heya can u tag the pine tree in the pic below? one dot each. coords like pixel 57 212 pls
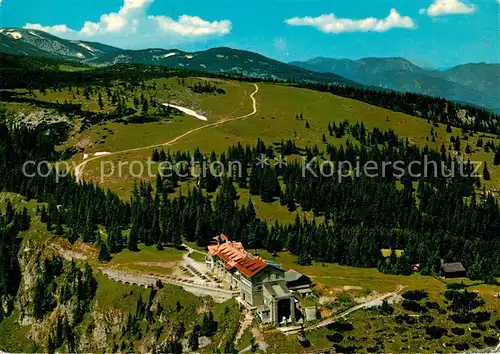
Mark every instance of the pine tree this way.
pixel 59 229
pixel 155 232
pixel 9 211
pixel 253 344
pixel 176 238
pixel 250 210
pixel 25 220
pixel 486 173
pixel 208 326
pixel 156 156
pixel 68 335
pixel 111 241
pixel 90 232
pixel 44 217
pixel 496 159
pixel 163 156
pixel 51 347
pixel 180 331
pixel 193 338
pixel 132 238
pixel 304 258
pixel 104 255
pixel 291 204
pixel 59 335
pixel 145 107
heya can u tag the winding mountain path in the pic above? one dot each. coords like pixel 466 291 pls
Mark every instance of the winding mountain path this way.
pixel 330 320
pixel 79 168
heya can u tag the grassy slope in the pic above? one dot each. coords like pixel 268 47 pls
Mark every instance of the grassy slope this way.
pixel 147 260
pixel 167 90
pixel 333 277
pixel 13 336
pixel 336 280
pixel 275 120
pixel 369 327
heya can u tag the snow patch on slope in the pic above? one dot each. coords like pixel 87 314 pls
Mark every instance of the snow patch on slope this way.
pixel 189 56
pixel 169 54
pixel 83 45
pixel 186 110
pixel 101 153
pixel 35 34
pixel 80 55
pixel 15 35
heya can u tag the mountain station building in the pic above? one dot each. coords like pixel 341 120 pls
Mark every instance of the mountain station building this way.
pixel 262 285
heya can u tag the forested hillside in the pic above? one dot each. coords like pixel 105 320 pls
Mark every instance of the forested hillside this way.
pixel 362 215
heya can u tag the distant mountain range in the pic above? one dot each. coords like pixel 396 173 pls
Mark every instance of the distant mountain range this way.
pixel 472 83
pixel 38 43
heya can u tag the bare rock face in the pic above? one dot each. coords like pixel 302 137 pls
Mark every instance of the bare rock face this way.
pixel 106 323
pixel 203 342
pixel 29 257
pixel 35 118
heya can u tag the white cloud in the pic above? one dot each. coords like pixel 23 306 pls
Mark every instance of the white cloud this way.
pixel 448 7
pixel 132 25
pixel 125 20
pixel 191 26
pixel 56 30
pixel 329 23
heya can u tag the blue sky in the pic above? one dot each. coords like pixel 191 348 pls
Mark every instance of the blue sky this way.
pixel 431 33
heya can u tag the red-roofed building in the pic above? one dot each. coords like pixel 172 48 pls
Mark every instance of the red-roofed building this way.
pixel 261 284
